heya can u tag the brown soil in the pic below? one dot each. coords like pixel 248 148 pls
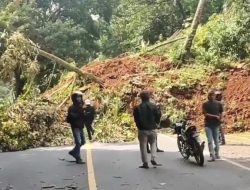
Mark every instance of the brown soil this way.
pixel 237 99
pixel 116 71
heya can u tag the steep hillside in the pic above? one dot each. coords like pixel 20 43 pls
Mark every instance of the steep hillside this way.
pixel 180 91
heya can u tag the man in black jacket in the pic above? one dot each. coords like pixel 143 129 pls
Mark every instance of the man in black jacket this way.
pixel 75 118
pixel 147 116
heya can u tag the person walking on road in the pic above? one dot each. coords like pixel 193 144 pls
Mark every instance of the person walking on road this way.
pixel 212 111
pixel 75 118
pixel 89 116
pixel 147 116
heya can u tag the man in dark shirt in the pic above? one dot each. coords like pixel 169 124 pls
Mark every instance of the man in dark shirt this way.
pixel 212 111
pixel 147 116
pixel 75 118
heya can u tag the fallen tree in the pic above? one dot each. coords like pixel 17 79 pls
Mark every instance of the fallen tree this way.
pixel 19 61
pixel 69 66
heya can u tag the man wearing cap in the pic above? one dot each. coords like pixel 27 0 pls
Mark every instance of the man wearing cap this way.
pixel 147 116
pixel 212 111
pixel 89 116
pixel 75 118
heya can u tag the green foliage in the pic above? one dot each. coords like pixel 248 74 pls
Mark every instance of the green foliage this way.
pixel 192 75
pixel 175 115
pixel 149 67
pixel 114 125
pixel 19 55
pixel 108 43
pixel 19 62
pixel 225 35
pixel 140 20
pixel 180 82
pixel 57 26
pixel 184 78
pixel 29 124
pixel 15 135
pixel 163 82
pixel 5 92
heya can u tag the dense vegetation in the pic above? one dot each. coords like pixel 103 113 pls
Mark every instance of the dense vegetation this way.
pixel 81 31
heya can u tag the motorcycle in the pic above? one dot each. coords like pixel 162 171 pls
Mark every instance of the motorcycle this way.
pixel 188 141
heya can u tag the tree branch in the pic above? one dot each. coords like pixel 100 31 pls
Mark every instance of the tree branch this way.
pixel 164 43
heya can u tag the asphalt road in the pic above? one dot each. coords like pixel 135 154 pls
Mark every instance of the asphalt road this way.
pixel 115 167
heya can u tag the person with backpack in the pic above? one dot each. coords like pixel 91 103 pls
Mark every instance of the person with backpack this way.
pixel 89 116
pixel 75 118
pixel 147 117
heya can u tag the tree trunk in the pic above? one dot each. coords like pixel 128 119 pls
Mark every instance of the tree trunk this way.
pixel 19 82
pixel 163 44
pixel 69 67
pixel 179 4
pixel 194 26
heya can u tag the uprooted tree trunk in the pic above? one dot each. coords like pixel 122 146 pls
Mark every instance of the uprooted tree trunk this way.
pixel 68 66
pixel 194 26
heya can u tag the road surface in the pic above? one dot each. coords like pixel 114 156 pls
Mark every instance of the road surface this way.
pixel 115 167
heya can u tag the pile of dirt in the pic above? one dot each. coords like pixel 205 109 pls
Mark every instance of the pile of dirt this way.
pixel 115 72
pixel 237 100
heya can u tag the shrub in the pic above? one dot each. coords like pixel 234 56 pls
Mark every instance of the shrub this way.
pixel 15 135
pixel 225 35
pixel 114 125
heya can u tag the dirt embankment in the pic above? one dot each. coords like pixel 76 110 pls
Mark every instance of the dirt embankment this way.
pixel 237 100
pixel 116 72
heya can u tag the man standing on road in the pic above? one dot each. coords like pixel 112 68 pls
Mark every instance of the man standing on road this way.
pixel 147 116
pixel 212 111
pixel 75 118
pixel 89 116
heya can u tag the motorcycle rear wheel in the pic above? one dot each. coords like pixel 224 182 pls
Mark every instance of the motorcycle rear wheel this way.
pixel 198 155
pixel 182 148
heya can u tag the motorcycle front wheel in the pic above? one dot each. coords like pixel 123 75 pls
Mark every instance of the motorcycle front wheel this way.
pixel 198 154
pixel 182 148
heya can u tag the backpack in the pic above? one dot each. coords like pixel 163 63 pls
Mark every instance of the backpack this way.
pixel 89 113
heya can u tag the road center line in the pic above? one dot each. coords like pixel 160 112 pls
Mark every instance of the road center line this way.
pixel 90 168
pixel 224 159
